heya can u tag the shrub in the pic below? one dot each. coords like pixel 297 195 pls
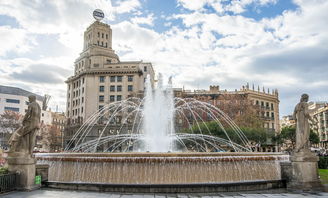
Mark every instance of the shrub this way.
pixel 3 170
pixel 323 162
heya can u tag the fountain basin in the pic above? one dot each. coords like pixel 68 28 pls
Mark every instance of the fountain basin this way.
pixel 162 168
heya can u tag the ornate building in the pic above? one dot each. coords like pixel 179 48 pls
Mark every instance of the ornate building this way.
pixel 320 124
pixel 100 77
pixel 239 102
pixel 242 103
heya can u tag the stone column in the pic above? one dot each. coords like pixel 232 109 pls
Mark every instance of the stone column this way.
pixel 304 167
pixel 24 165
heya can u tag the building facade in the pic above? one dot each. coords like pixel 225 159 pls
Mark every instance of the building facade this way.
pixel 320 125
pixel 243 103
pixel 234 103
pixel 16 99
pixel 100 78
pixel 287 121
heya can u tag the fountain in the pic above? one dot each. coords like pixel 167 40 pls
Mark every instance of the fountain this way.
pixel 144 153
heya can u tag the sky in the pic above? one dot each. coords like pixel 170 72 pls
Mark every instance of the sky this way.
pixel 278 44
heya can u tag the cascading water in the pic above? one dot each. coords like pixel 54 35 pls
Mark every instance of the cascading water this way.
pixel 158 117
pixel 150 124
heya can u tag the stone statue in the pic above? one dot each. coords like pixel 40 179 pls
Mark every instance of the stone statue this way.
pixel 302 117
pixel 23 139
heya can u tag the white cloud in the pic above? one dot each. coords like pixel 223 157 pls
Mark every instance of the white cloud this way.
pixel 228 50
pixel 235 6
pixel 14 40
pixel 148 20
pixel 127 6
pixel 192 4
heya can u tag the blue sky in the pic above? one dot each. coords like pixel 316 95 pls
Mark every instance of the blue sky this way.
pixel 279 44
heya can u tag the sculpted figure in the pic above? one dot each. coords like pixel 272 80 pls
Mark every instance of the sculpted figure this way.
pixel 302 117
pixel 23 139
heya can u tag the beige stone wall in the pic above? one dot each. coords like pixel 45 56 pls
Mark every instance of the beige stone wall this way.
pixel 90 87
pixel 320 125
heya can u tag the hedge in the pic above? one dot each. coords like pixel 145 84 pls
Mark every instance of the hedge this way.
pixel 323 162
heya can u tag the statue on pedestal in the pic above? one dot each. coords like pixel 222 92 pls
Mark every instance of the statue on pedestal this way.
pixel 302 117
pixel 23 139
pixel 303 171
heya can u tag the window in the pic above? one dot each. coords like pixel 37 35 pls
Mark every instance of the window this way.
pixel 111 98
pixel 101 88
pixel 102 35
pixel 130 87
pixel 145 68
pixel 26 102
pixel 82 99
pixel 118 98
pixel 130 78
pixel 101 78
pixel 81 109
pixel 102 43
pixel 109 61
pixel 112 79
pixel 11 109
pixel 272 114
pixel 98 43
pixel 106 44
pixel 272 106
pixel 106 36
pixel 112 88
pixel 119 88
pixel 262 104
pixel 98 34
pixel 267 114
pixel 12 101
pixel 101 98
pixel 257 102
pixel 119 78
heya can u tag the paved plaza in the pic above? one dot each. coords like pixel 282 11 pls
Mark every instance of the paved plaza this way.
pixel 50 193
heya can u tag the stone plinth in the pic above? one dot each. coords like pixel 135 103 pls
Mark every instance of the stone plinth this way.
pixel 304 171
pixel 24 165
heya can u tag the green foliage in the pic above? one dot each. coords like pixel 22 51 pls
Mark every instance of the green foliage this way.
pixel 314 138
pixel 257 135
pixel 3 170
pixel 289 134
pixel 323 175
pixel 323 163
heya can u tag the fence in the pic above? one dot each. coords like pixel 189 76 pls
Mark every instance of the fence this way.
pixel 8 182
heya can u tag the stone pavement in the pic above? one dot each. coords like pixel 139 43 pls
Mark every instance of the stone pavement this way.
pixel 50 193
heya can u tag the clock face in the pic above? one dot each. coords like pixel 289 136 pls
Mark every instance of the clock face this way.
pixel 98 14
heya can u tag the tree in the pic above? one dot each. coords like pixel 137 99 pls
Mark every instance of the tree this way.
pixel 255 135
pixel 288 136
pixel 9 122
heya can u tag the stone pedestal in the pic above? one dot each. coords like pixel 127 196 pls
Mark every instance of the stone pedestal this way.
pixel 24 165
pixel 304 171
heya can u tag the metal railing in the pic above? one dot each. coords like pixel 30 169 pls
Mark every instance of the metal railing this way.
pixel 8 182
